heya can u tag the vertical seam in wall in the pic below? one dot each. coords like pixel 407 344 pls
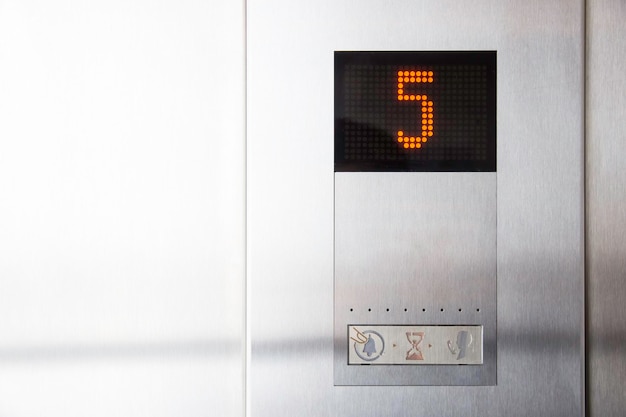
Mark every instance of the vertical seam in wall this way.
pixel 585 341
pixel 246 290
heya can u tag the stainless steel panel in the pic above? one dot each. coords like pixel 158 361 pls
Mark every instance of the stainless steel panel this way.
pixel 606 207
pixel 415 248
pixel 290 201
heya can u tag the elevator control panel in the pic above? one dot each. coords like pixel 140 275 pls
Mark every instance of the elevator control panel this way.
pixel 415 218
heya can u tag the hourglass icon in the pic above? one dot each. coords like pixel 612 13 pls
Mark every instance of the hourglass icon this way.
pixel 415 353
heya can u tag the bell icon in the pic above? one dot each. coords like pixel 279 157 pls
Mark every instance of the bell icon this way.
pixel 370 346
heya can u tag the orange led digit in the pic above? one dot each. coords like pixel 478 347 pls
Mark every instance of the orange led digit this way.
pixel 385 105
pixel 427 107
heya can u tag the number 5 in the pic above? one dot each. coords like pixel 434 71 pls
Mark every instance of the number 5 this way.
pixel 405 77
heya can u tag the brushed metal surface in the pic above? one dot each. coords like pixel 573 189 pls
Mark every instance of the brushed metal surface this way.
pixel 290 201
pixel 606 207
pixel 415 248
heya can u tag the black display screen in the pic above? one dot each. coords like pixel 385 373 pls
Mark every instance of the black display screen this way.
pixel 415 111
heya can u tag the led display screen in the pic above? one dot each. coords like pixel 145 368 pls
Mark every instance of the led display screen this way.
pixel 415 111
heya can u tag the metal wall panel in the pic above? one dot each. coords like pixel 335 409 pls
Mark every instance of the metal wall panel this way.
pixel 426 241
pixel 122 208
pixel 606 207
pixel 539 192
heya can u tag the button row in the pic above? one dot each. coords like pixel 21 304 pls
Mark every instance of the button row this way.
pixel 415 345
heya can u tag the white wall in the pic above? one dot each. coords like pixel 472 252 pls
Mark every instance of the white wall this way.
pixel 122 197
